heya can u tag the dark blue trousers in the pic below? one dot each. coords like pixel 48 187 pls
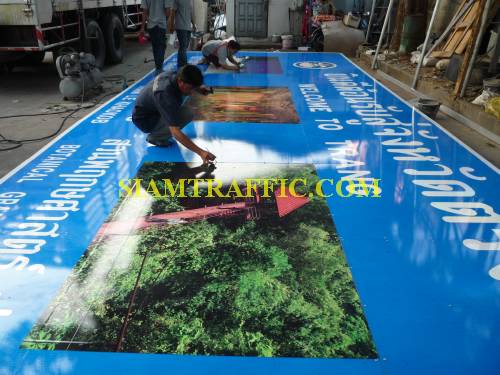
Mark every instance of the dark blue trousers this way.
pixel 158 41
pixel 184 37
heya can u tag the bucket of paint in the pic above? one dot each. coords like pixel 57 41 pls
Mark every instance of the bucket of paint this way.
pixel 430 107
pixel 195 42
pixel 142 39
pixel 287 41
pixel 276 38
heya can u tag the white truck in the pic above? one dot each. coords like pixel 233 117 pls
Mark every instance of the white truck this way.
pixel 29 28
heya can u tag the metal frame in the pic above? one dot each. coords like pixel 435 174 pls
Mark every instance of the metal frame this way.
pixel 370 22
pixel 59 26
pixel 382 33
pixel 40 38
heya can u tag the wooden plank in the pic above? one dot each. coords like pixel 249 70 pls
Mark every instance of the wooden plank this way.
pixel 463 44
pixel 456 34
pixel 456 18
pixel 454 42
pixel 398 29
pixel 456 39
pixel 467 34
pixel 442 54
pixel 463 40
pixel 461 6
pixel 465 24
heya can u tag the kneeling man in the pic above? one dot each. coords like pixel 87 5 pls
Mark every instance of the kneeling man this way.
pixel 159 109
pixel 217 51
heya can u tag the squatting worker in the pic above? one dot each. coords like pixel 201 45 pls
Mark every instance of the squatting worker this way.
pixel 217 51
pixel 159 109
pixel 155 12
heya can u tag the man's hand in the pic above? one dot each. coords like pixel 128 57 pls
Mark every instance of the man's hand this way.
pixel 177 133
pixel 204 90
pixel 194 28
pixel 234 67
pixel 207 156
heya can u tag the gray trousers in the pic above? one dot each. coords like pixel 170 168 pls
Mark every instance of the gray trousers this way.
pixel 161 131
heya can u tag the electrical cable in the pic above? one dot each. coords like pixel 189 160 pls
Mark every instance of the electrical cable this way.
pixel 4 140
pixel 54 133
pixel 38 114
pixel 18 143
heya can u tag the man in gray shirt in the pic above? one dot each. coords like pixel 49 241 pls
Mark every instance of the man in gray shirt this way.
pixel 159 110
pixel 182 19
pixel 155 12
pixel 218 51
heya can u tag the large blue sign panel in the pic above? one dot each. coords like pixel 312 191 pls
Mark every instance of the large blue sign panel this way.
pixel 402 280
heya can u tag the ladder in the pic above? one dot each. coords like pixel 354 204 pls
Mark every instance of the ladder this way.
pixel 128 18
pixel 377 16
pixel 387 18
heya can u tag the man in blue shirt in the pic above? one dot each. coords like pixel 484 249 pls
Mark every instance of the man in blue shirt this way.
pixel 159 109
pixel 155 13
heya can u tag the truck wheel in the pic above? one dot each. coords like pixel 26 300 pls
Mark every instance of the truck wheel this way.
pixel 114 36
pixel 95 43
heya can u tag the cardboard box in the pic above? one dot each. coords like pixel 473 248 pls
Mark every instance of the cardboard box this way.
pixel 351 20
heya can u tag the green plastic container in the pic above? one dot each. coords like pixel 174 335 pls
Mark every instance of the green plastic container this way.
pixel 413 33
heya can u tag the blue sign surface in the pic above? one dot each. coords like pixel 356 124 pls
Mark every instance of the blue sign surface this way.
pixel 425 256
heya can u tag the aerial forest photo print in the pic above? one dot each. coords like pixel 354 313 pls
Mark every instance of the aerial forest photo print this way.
pixel 245 104
pixel 252 272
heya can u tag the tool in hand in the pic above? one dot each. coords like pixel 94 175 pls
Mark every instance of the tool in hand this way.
pixel 206 90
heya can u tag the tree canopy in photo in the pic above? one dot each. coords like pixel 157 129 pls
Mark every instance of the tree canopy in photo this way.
pixel 272 287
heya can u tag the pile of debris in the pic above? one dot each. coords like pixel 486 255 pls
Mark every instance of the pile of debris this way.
pixel 452 52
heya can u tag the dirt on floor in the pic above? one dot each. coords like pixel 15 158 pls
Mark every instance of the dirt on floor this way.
pixel 427 74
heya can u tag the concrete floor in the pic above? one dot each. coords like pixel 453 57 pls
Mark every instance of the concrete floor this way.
pixel 35 89
pixel 29 90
